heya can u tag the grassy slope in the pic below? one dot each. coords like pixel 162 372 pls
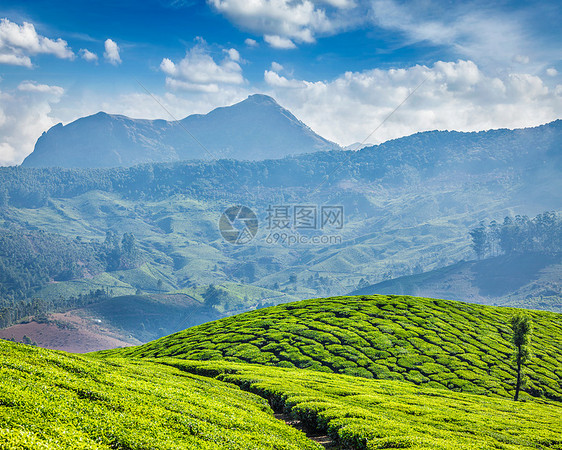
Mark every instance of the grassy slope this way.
pixel 440 343
pixel 52 400
pixel 373 414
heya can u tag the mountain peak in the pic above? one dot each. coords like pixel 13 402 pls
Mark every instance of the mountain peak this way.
pixel 257 128
pixel 261 99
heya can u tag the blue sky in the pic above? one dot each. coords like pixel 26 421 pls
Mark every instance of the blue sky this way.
pixel 340 65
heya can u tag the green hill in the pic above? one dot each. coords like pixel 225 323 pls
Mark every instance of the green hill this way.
pixel 438 343
pixel 54 400
pixel 363 414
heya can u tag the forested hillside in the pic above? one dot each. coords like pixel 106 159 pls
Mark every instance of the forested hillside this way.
pixel 32 259
pixel 407 207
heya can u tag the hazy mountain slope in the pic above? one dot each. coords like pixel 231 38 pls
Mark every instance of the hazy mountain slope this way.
pixel 531 281
pixel 254 129
pixel 441 343
pixel 408 207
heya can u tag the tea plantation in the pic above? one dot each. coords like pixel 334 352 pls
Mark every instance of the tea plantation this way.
pixel 423 350
pixel 373 414
pixel 438 343
pixel 54 400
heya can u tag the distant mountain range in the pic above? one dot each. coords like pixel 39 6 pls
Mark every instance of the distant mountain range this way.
pixel 257 128
pixel 408 206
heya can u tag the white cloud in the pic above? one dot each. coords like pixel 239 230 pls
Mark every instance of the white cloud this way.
pixel 233 54
pixel 15 60
pixel 454 96
pixel 24 115
pixel 472 30
pixel 285 21
pixel 492 34
pixel 19 42
pixel 198 71
pixel 88 55
pixel 279 42
pixel 275 80
pixel 176 84
pixel 551 72
pixel 344 4
pixel 168 67
pixel 521 59
pixel 111 53
pixel 276 67
pixel 32 86
pixel 251 42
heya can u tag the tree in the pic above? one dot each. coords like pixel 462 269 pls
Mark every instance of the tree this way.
pixel 212 296
pixel 522 328
pixel 4 197
pixel 479 240
pixel 113 250
pixel 129 251
pixel 494 238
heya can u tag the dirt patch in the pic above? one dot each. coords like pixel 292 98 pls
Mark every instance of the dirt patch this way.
pixel 74 331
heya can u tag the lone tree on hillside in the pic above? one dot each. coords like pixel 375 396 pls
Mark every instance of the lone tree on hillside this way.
pixel 479 240
pixel 522 329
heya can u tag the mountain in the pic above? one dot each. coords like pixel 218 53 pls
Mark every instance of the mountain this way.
pixel 408 206
pixel 528 280
pixel 255 129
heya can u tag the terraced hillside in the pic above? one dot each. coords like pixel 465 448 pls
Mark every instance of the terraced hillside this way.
pixel 113 400
pixel 438 343
pixel 52 400
pixel 361 414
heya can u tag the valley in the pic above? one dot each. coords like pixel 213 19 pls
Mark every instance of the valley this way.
pixel 407 207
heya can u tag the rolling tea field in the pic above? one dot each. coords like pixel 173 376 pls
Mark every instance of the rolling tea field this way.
pixel 438 343
pixel 55 400
pixel 373 414
pixel 368 372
